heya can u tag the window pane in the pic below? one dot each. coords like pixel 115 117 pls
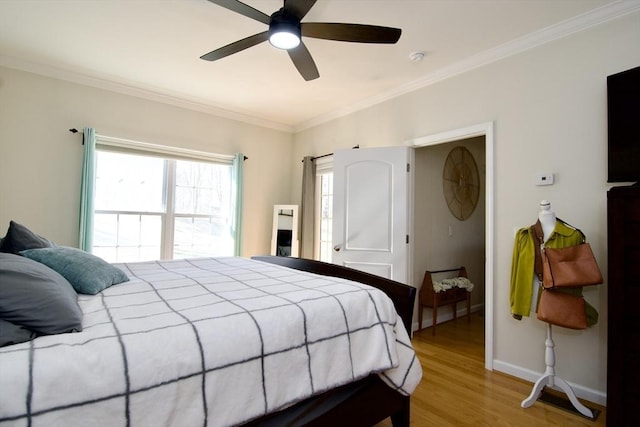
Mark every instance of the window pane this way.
pixel 184 199
pixel 105 228
pixel 326 217
pixel 208 202
pixel 128 253
pixel 126 237
pixel 201 236
pixel 129 230
pixel 126 182
pixel 150 230
pixel 149 253
pixel 202 188
pixel 109 254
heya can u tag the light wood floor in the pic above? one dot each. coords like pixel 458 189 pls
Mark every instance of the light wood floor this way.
pixel 456 390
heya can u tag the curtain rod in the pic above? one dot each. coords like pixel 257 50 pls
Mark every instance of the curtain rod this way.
pixel 324 155
pixel 74 130
pixel 330 154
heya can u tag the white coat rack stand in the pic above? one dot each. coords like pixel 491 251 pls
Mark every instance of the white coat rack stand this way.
pixel 549 378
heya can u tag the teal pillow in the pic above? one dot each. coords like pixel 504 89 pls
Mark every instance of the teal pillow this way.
pixel 87 273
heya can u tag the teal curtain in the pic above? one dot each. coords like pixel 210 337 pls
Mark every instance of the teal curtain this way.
pixel 236 227
pixel 87 185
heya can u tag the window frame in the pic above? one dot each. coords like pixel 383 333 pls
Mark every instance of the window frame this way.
pixel 170 155
pixel 324 166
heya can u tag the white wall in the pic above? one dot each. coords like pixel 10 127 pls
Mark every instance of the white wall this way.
pixel 549 109
pixel 40 160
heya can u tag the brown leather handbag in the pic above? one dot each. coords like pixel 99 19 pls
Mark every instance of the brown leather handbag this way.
pixel 562 309
pixel 570 266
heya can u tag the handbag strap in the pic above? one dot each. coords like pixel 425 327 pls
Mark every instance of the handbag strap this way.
pixel 538 234
pixel 584 238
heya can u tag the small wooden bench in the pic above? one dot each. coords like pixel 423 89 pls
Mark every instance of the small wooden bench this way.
pixel 430 298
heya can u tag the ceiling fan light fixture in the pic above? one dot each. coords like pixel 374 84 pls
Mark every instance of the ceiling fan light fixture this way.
pixel 284 33
pixel 284 40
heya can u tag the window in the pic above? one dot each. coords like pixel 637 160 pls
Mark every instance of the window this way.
pixel 324 209
pixel 149 207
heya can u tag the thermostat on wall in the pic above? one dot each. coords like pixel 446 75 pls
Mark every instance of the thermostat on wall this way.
pixel 544 178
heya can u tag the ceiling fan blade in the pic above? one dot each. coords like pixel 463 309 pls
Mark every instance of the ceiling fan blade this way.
pixel 236 46
pixel 304 62
pixel 243 9
pixel 299 8
pixel 350 32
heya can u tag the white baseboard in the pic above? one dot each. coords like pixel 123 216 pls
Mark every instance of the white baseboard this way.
pixel 582 392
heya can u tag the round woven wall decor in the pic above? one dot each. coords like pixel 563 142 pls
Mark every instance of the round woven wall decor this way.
pixel 461 183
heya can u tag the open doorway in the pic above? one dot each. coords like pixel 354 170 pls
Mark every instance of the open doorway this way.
pixel 428 243
pixel 450 227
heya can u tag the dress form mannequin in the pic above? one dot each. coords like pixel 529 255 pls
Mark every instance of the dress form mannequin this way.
pixel 548 221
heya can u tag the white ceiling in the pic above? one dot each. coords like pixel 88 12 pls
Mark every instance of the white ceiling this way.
pixel 152 48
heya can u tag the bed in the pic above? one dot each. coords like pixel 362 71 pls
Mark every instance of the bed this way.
pixel 268 341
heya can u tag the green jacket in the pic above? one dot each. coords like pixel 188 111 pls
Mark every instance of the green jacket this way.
pixel 522 268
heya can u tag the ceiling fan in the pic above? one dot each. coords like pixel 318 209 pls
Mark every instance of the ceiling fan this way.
pixel 285 31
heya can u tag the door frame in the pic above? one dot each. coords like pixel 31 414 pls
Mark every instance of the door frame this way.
pixel 487 130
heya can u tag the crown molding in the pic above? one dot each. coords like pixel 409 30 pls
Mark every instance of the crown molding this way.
pixel 557 31
pixel 139 91
pixel 579 23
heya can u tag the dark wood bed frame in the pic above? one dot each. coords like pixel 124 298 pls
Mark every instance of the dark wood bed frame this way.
pixel 365 402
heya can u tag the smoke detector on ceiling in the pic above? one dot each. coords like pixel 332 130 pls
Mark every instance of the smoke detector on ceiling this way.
pixel 416 56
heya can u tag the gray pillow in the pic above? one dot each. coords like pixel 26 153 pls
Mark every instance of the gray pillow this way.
pixel 19 238
pixel 87 273
pixel 36 297
pixel 14 334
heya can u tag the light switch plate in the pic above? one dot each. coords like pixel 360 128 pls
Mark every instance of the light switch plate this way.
pixel 544 178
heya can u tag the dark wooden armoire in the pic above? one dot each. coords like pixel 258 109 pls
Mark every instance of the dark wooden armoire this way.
pixel 623 284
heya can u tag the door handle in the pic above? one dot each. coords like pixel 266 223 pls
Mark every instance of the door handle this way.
pixel 336 248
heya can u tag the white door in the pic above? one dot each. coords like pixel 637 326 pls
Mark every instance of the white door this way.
pixel 371 210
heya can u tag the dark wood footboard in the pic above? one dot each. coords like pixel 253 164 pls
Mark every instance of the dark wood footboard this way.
pixel 360 404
